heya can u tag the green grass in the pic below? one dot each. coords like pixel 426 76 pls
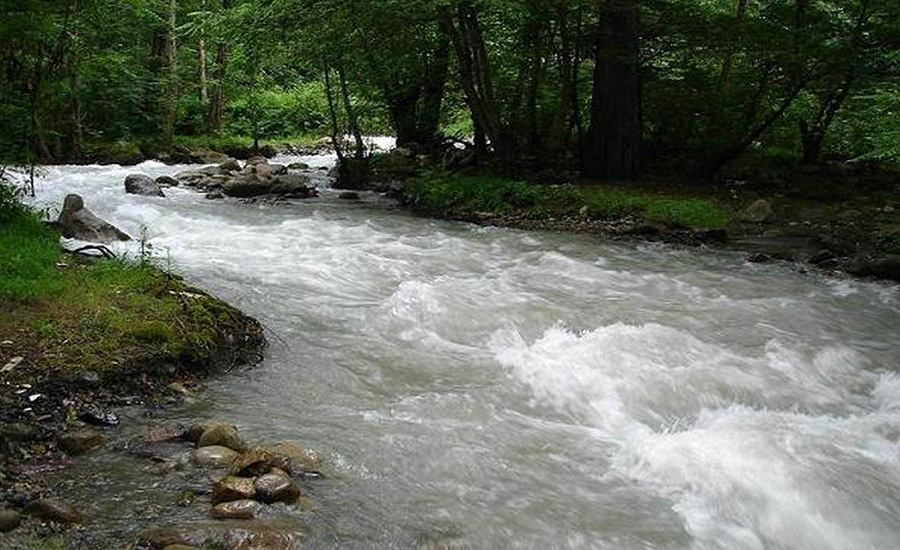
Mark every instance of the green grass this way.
pixel 78 315
pixel 29 253
pixel 443 194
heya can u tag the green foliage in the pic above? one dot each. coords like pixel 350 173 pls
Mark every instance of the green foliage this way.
pixel 445 194
pixel 302 109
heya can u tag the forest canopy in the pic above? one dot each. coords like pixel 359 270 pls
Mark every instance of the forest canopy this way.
pixel 608 87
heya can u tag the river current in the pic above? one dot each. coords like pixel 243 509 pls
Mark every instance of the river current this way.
pixel 503 389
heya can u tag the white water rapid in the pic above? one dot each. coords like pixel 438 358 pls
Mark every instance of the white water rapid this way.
pixel 502 389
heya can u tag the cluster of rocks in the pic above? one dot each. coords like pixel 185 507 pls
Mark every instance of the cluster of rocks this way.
pixel 249 478
pixel 257 178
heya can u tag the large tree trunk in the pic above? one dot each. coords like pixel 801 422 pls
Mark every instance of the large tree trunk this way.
pixel 614 141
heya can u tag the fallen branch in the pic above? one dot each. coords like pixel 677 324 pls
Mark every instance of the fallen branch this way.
pixel 104 251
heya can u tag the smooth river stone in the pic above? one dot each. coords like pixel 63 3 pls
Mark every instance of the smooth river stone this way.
pixel 276 487
pixel 232 488
pixel 224 436
pixel 215 456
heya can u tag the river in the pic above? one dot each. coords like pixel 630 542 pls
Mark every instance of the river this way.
pixel 507 389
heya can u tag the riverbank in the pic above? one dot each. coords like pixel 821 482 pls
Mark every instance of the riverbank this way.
pixel 80 338
pixel 840 219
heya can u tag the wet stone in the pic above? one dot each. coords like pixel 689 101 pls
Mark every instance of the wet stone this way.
pixel 276 487
pixel 237 509
pixel 81 442
pixel 224 436
pixel 232 488
pixel 51 510
pixel 9 520
pixel 214 456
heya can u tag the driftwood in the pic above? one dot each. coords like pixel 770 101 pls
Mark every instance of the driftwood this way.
pixel 104 251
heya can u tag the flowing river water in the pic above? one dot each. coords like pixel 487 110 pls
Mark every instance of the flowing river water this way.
pixel 509 389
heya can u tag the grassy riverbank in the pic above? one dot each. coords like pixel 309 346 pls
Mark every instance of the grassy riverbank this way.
pixel 76 331
pixel 840 218
pixel 490 196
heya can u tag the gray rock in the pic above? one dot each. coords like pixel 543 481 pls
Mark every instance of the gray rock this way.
pixel 237 509
pixel 81 442
pixel 230 165
pixel 247 186
pixel 51 510
pixel 166 181
pixel 293 185
pixel 215 456
pixel 231 488
pixel 9 520
pixel 215 195
pixel 298 166
pixel 299 458
pixel 269 170
pixel 257 160
pixel 139 184
pixel 77 222
pixel 760 211
pixel 276 486
pixel 222 435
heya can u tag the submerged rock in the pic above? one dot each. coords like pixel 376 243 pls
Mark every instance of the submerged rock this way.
pixel 77 222
pixel 51 510
pixel 349 196
pixel 139 184
pixel 215 456
pixel 237 509
pixel 233 488
pixel 228 535
pixel 81 442
pixel 298 166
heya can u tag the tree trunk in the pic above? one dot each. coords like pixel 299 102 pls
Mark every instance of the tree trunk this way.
pixel 336 138
pixel 474 73
pixel 429 117
pixel 614 143
pixel 201 51
pixel 172 58
pixel 352 118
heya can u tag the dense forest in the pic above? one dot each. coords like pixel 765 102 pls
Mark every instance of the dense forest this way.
pixel 608 87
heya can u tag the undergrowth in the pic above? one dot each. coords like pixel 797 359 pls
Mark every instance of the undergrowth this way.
pixel 447 195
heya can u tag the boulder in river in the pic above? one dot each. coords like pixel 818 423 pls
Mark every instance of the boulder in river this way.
pixel 222 435
pixel 230 165
pixel 257 160
pixel 166 181
pixel 139 184
pixel 237 509
pixel 267 170
pixel 233 488
pixel 298 166
pixel 247 186
pixel 77 222
pixel 298 457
